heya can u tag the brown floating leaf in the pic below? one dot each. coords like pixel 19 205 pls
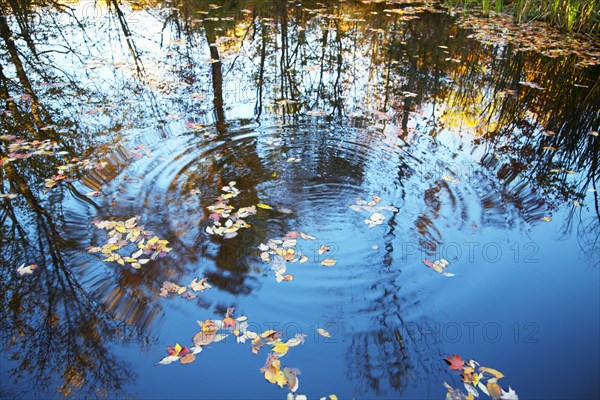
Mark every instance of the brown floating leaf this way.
pixel 188 358
pixel 204 338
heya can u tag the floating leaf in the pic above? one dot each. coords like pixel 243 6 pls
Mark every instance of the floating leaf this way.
pixel 137 253
pixel 375 219
pixel 204 338
pixel 483 388
pixel 510 395
pixel 174 350
pixel 268 333
pixel 199 285
pixel 188 358
pixel 22 269
pixel 323 249
pixel 264 206
pixel 251 335
pixel 291 379
pixel 221 336
pixel 188 295
pixel 295 341
pixel 494 390
pixel 228 322
pixel 450 179
pixel 491 371
pixel 168 360
pixel 323 332
pixel 328 262
pixel 281 348
pixel 455 362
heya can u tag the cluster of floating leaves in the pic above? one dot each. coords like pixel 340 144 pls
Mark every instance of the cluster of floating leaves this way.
pixel 212 331
pixel 121 234
pixel 438 266
pixel 19 149
pixel 474 377
pixel 535 36
pixel 196 285
pixel 372 207
pixel 223 210
pixel 278 252
pixel 74 164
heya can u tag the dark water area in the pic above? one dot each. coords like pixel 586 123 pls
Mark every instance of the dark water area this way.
pixel 386 132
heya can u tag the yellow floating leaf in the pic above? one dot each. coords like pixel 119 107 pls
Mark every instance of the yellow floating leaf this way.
pixel 281 379
pixel 323 332
pixel 177 349
pixel 333 397
pixel 547 219
pixel 264 206
pixel 271 374
pixel 281 348
pixel 328 262
pixel 450 179
pixel 494 390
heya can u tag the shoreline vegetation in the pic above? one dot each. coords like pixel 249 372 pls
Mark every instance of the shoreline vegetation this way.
pixel 573 16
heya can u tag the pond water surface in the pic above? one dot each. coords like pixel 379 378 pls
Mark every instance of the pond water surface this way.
pixel 329 113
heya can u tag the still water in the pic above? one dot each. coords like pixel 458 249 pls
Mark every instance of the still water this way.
pixel 386 132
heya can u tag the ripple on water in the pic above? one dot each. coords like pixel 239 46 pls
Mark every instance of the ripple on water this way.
pixel 310 174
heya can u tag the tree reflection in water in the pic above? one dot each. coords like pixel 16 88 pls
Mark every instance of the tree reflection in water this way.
pixel 351 63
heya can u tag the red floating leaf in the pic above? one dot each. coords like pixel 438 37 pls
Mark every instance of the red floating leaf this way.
pixel 455 362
